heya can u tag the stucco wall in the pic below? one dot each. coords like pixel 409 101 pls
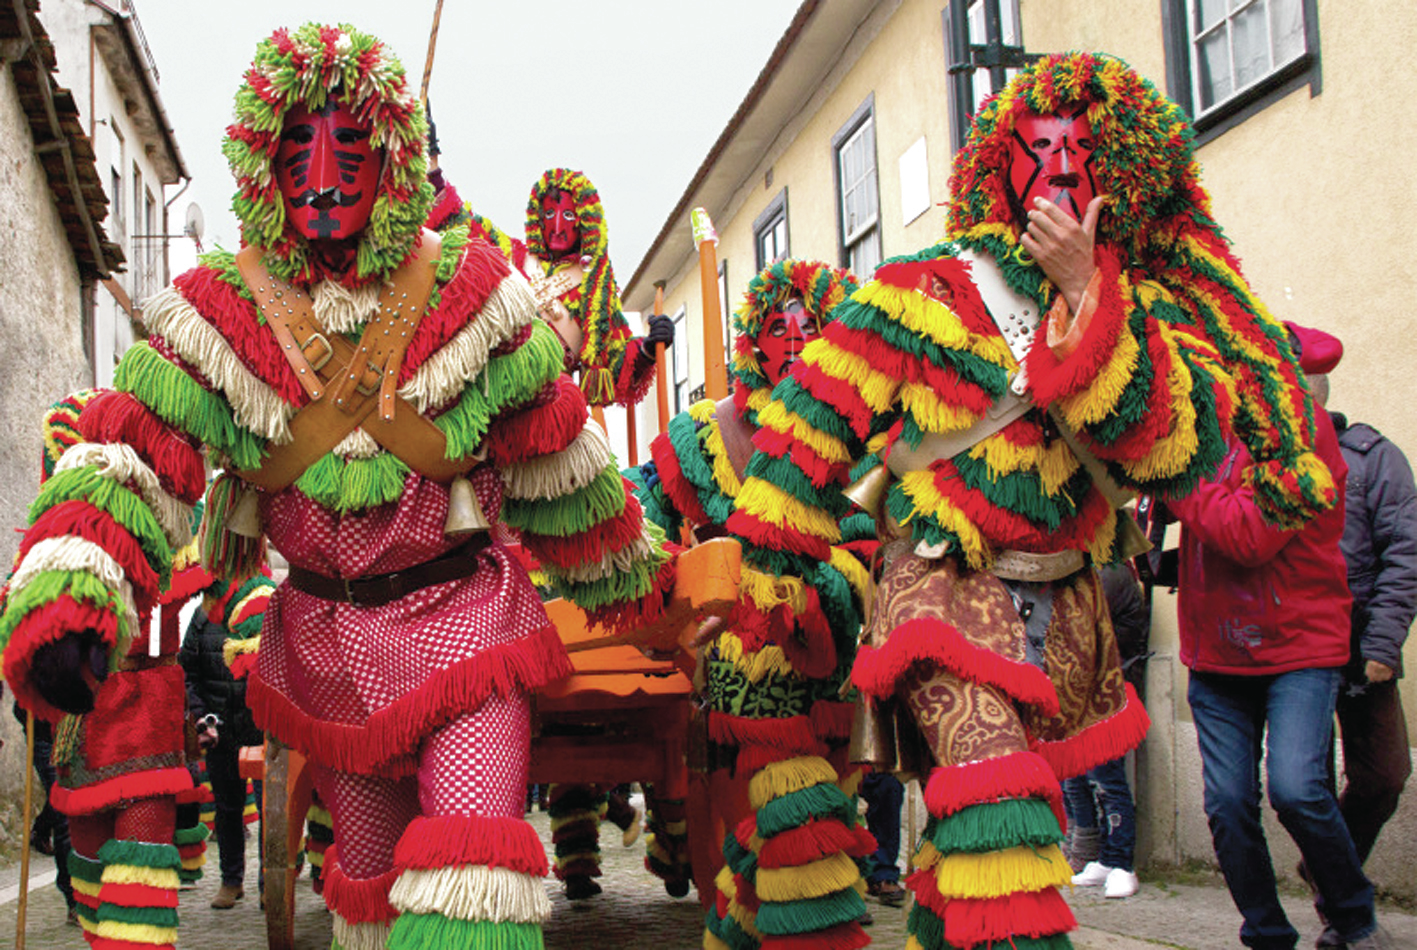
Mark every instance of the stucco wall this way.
pixel 42 343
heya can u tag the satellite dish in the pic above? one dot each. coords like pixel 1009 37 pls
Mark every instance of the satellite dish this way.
pixel 193 223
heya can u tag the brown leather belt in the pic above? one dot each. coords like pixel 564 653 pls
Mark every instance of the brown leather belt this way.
pixel 374 590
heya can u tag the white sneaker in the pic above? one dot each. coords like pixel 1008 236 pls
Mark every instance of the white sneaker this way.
pixel 1094 874
pixel 1120 883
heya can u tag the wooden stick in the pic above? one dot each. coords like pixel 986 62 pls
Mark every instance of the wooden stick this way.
pixel 428 63
pixel 715 369
pixel 25 813
pixel 632 437
pixel 661 384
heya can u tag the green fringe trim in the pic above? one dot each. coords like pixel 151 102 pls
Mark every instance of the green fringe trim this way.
pixel 622 586
pixel 224 263
pixel 797 808
pixel 929 931
pixel 994 826
pixel 728 930
pixel 140 854
pixel 658 509
pixel 84 869
pixel 809 916
pixel 454 239
pixel 113 498
pixel 1022 492
pixel 738 858
pixel 151 916
pixel 436 932
pixel 601 500
pixel 181 401
pixel 82 586
pixel 354 484
pixel 198 832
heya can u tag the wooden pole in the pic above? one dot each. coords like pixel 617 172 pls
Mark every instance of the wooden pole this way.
pixel 631 435
pixel 25 813
pixel 661 381
pixel 428 63
pixel 715 369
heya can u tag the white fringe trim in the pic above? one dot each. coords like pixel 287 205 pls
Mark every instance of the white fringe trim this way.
pixel 472 892
pixel 122 464
pixel 458 362
pixel 341 310
pixel 366 936
pixel 255 405
pixel 72 553
pixel 563 472
pixel 639 551
pixel 358 445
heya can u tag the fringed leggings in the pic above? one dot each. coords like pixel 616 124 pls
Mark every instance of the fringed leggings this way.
pixel 124 867
pixel 443 858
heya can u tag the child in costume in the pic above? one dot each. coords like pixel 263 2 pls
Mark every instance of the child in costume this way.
pixel 989 646
pixel 777 720
pixel 376 395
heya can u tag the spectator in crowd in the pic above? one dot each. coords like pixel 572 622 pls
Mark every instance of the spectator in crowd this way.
pixel 1264 630
pixel 1380 548
pixel 1102 816
pixel 884 797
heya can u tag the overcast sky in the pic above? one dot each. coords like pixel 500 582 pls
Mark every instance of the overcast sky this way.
pixel 632 92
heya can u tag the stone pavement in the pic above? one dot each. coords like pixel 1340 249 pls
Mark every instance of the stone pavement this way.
pixel 635 912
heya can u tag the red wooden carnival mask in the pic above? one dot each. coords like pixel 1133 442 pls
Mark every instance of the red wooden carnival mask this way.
pixel 560 228
pixel 328 172
pixel 781 338
pixel 1050 156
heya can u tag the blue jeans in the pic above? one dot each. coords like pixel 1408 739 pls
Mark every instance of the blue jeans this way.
pixel 1104 793
pixel 1231 714
pixel 884 796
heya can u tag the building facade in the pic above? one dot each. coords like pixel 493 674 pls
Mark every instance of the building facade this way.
pixel 841 152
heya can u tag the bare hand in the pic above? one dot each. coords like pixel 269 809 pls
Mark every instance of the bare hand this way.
pixel 1063 246
pixel 1377 672
pixel 708 631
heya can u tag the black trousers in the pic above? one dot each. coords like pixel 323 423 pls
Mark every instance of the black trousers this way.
pixel 1376 759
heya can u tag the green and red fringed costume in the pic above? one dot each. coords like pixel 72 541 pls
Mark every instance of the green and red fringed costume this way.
pixel 414 713
pixel 1171 352
pixel 776 715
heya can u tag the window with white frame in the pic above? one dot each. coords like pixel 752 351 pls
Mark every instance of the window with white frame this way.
pixel 985 44
pixel 770 231
pixel 858 191
pixel 1228 59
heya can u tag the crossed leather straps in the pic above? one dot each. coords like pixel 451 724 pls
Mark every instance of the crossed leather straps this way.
pixel 350 385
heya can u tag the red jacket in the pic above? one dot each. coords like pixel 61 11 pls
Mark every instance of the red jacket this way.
pixel 1254 599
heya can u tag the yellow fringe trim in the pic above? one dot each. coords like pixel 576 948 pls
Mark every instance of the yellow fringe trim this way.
pixel 878 442
pixel 877 389
pixel 1173 451
pixel 713 943
pixel 1055 463
pixel 776 417
pixel 912 944
pixel 754 665
pixel 727 884
pixel 132 874
pixel 850 783
pixel 768 591
pixel 723 472
pixel 776 507
pixel 194 862
pixel 136 933
pixel 87 888
pixel 231 649
pixel 997 873
pixel 932 412
pixel 1100 544
pixel 836 872
pixel 855 573
pixel 928 317
pixel 791 775
pixel 919 487
pixel 1100 398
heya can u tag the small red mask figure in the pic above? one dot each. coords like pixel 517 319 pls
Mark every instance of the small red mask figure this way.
pixel 1050 156
pixel 783 335
pixel 328 172
pixel 560 228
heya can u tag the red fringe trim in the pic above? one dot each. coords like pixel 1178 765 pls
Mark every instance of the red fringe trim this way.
pixel 841 937
pixel 120 417
pixel 137 895
pixel 879 670
pixel 154 783
pixel 1049 378
pixel 780 444
pixel 746 894
pixel 196 795
pixel 460 301
pixel 385 743
pixel 593 543
pixel 108 943
pixel 455 840
pixel 627 615
pixel 243 665
pixel 49 623
pixel 359 902
pixel 1100 742
pixel 952 788
pixel 81 519
pixel 832 720
pixel 445 204
pixel 186 584
pixel 970 921
pixel 631 387
pixel 817 839
pixel 753 758
pixel 1143 434
pixel 844 398
pixel 752 528
pixel 791 734
pixel 185 851
pixel 234 317
pixel 675 485
pixel 548 424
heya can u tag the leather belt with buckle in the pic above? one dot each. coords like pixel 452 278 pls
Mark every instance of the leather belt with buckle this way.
pixel 374 590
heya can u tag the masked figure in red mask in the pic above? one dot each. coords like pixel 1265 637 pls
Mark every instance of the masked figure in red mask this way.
pixel 777 721
pixel 377 396
pixel 1084 334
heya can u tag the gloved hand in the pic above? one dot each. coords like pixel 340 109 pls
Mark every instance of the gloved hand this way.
pixel 67 672
pixel 661 330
